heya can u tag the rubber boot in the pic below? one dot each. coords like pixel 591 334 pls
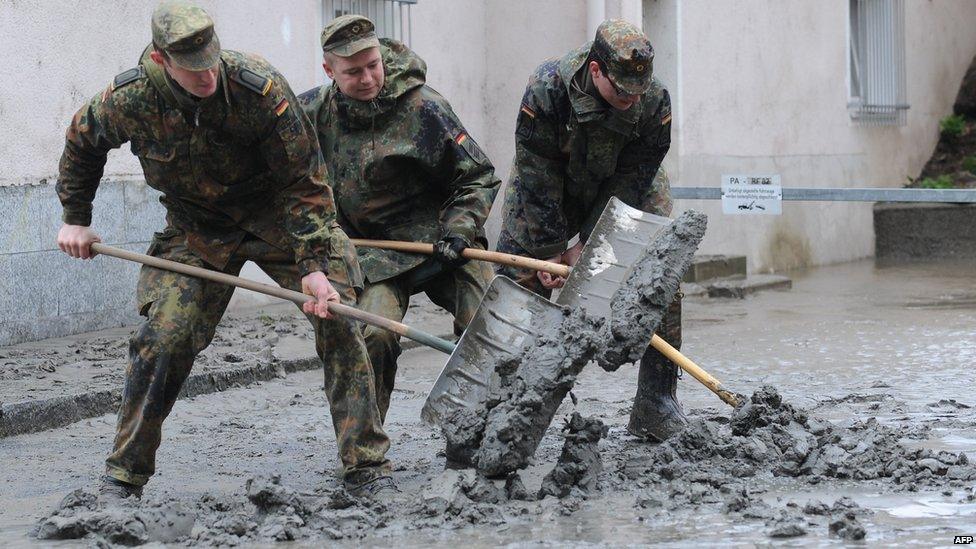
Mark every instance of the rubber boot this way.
pixel 656 413
pixel 113 491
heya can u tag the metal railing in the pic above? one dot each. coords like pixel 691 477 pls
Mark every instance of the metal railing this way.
pixel 391 17
pixel 958 196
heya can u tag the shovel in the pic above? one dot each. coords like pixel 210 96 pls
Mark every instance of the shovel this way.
pixel 505 318
pixel 566 297
pixel 619 236
pixel 509 313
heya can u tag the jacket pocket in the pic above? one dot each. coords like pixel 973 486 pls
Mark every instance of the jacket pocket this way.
pixel 151 150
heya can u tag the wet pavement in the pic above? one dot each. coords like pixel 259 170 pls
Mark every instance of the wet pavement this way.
pixel 848 342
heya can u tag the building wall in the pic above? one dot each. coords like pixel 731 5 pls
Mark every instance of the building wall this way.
pixel 479 55
pixel 761 87
pixel 520 35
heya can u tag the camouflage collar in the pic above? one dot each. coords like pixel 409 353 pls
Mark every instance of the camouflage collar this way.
pixel 175 95
pixel 586 107
pixel 404 71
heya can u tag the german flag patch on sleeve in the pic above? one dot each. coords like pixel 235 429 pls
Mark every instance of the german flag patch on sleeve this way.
pixel 525 125
pixel 281 108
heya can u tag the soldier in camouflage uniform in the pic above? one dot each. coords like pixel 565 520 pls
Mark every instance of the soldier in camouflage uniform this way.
pixel 592 125
pixel 220 134
pixel 403 168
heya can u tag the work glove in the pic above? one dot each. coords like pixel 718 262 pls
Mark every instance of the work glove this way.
pixel 448 251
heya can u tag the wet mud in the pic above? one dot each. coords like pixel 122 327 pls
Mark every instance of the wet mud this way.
pixel 129 523
pixel 714 462
pixel 579 464
pixel 887 402
pixel 768 436
pixel 535 380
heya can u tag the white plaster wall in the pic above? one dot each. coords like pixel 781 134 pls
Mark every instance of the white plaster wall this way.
pixel 57 55
pixel 519 36
pixel 761 87
pixel 450 36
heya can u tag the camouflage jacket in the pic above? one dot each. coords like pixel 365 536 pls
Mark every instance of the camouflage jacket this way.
pixel 573 152
pixel 242 161
pixel 403 167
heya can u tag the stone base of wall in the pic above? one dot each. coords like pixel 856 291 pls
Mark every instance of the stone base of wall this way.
pixel 925 231
pixel 43 292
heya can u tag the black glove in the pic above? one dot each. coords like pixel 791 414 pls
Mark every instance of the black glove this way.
pixel 448 251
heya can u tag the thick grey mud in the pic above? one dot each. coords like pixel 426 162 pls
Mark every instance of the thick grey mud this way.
pixel 719 461
pixel 502 435
pixel 269 511
pixel 715 463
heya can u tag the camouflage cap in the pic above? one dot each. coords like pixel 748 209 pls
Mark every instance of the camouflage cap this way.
pixel 186 33
pixel 348 35
pixel 627 53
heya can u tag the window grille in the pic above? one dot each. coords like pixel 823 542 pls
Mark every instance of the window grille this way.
pixel 391 17
pixel 878 85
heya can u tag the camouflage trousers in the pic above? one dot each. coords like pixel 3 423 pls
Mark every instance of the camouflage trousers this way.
pixel 457 290
pixel 182 313
pixel 669 330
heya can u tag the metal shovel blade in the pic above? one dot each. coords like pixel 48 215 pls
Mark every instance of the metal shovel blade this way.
pixel 509 314
pixel 620 236
pixel 507 320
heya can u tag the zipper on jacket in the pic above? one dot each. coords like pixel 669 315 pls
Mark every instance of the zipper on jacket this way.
pixel 372 121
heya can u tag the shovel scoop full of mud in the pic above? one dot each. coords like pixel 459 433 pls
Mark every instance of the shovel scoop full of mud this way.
pixel 499 393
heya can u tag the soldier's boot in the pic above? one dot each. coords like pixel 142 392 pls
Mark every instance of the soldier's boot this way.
pixel 374 488
pixel 113 491
pixel 656 413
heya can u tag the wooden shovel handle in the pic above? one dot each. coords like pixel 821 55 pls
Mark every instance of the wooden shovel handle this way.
pixel 282 293
pixel 557 269
pixel 694 370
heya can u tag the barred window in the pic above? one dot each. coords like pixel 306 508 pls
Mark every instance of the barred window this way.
pixel 391 17
pixel 877 79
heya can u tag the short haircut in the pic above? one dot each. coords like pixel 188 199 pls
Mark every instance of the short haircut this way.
pixel 161 51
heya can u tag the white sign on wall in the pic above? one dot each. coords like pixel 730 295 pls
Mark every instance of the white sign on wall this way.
pixel 752 195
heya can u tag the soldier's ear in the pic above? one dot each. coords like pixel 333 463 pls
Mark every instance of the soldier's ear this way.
pixel 328 65
pixel 157 58
pixel 595 69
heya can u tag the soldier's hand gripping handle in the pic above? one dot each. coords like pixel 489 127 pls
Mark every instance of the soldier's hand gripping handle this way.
pixel 318 286
pixel 449 250
pixel 76 241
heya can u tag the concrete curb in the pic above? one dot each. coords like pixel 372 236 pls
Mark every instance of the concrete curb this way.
pixel 749 285
pixel 42 415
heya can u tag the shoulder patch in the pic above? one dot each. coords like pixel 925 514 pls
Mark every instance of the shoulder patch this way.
pixel 471 148
pixel 252 81
pixel 525 125
pixel 127 77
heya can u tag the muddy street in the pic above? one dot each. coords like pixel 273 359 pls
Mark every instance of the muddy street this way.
pixel 848 343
